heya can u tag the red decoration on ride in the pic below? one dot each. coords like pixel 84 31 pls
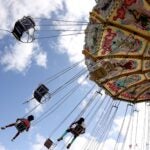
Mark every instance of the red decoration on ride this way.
pixel 122 11
pixel 108 41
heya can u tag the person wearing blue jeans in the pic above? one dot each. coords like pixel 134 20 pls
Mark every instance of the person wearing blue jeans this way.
pixel 76 128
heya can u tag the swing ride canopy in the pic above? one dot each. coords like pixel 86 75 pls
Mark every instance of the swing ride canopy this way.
pixel 117 48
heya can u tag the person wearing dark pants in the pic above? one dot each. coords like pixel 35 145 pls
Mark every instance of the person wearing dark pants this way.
pixel 21 124
pixel 76 128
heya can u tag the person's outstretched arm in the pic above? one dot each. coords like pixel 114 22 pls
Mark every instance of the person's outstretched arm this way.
pixel 19 119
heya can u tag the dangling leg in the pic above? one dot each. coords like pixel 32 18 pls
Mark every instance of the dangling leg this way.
pixel 15 136
pixel 10 125
pixel 72 141
pixel 59 139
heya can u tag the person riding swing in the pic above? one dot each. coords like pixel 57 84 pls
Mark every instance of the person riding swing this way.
pixel 76 128
pixel 21 124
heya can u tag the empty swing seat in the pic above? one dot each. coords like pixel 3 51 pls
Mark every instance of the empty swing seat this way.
pixel 98 73
pixel 40 92
pixel 77 130
pixel 22 26
pixel 48 143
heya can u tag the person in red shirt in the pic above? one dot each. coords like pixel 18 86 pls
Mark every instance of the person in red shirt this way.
pixel 21 124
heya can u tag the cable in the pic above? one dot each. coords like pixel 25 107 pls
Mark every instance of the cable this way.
pixel 144 126
pixel 109 126
pixel 58 103
pixel 105 124
pixel 53 131
pixel 60 20
pixel 57 75
pixel 53 30
pixel 95 113
pixel 54 107
pixel 29 112
pixel 5 30
pixel 95 128
pixel 118 137
pixel 136 130
pixel 148 130
pixel 131 132
pixel 59 88
pixel 91 100
pixel 80 73
pixel 101 125
pixel 123 145
pixel 54 36
pixel 96 110
pixel 64 25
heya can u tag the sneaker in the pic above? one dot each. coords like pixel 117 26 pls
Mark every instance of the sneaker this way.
pixel 3 128
pixel 60 139
pixel 68 146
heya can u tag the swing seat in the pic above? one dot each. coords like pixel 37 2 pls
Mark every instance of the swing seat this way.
pixel 108 66
pixel 21 26
pixel 40 92
pixel 98 73
pixel 77 130
pixel 18 30
pixel 20 126
pixel 48 143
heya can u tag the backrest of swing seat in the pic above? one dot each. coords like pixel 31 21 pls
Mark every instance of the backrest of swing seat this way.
pixel 18 30
pixel 27 23
pixel 20 126
pixel 48 143
pixel 77 130
pixel 41 91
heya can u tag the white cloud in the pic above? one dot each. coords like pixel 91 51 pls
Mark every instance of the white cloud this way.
pixel 78 143
pixel 109 144
pixel 81 142
pixel 134 138
pixel 86 100
pixel 118 122
pixel 39 140
pixel 83 104
pixel 12 10
pixel 34 104
pixel 41 58
pixel 82 80
pixel 73 45
pixel 2 147
pixel 19 57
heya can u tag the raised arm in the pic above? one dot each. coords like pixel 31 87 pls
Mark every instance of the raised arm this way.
pixel 72 124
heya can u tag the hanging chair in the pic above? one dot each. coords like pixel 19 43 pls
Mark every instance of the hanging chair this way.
pixel 48 143
pixel 77 130
pixel 20 126
pixel 98 73
pixel 22 28
pixel 41 93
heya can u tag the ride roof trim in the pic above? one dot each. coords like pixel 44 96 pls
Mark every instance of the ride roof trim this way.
pixel 117 47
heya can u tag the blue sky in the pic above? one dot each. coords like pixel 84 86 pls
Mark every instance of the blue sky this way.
pixel 24 66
